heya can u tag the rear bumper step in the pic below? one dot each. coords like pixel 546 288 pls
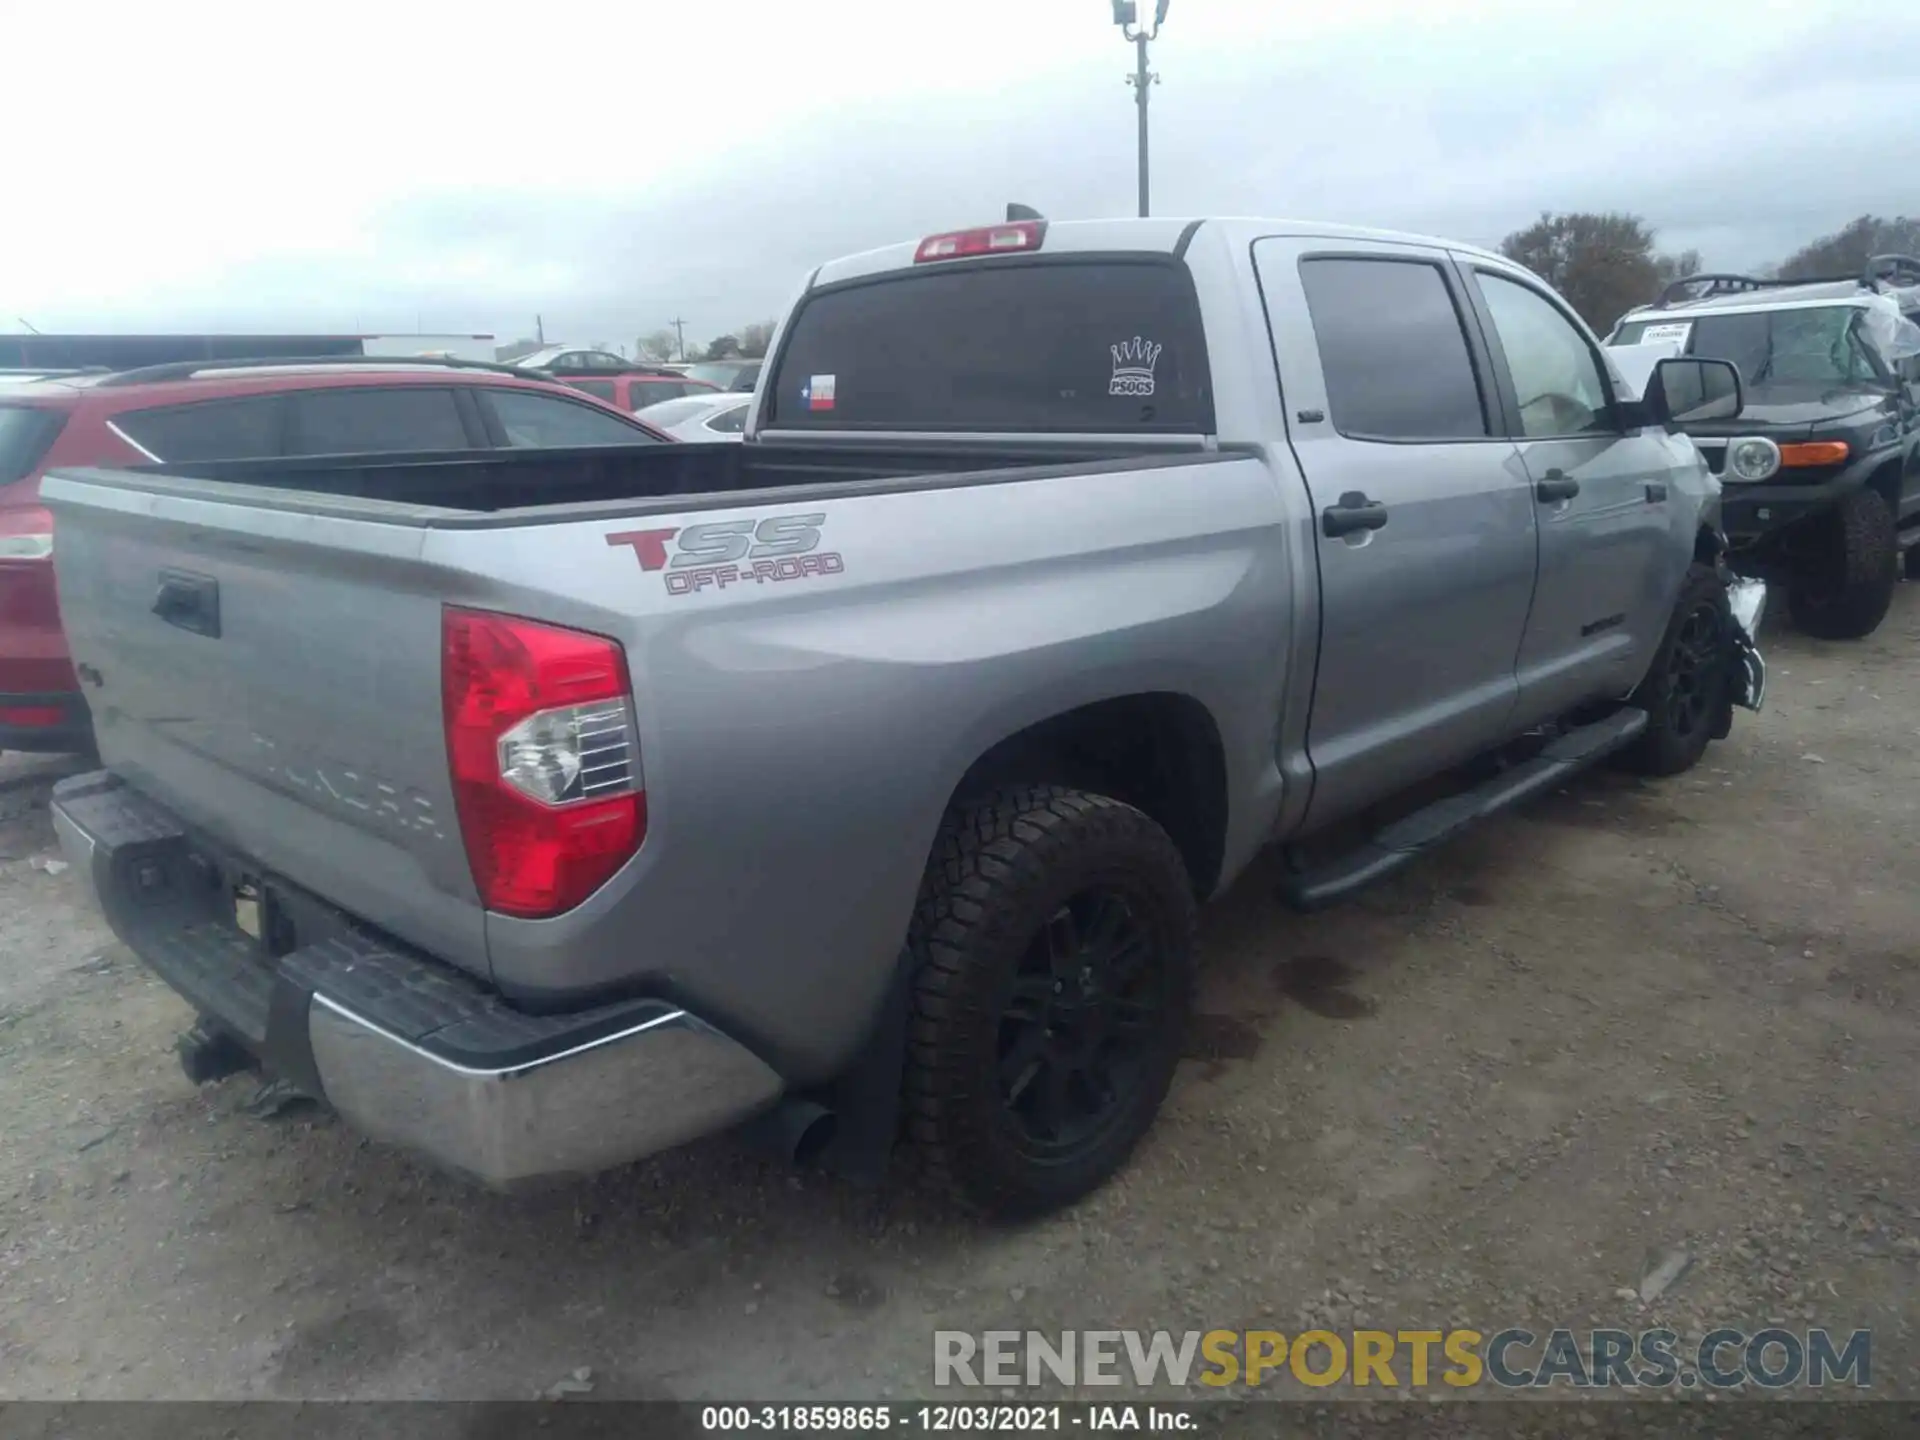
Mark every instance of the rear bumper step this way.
pixel 1408 838
pixel 407 1049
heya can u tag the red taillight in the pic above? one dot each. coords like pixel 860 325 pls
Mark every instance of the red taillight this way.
pixel 1008 239
pixel 545 759
pixel 26 534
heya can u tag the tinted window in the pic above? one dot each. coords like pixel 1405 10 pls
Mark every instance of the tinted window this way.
pixel 547 421
pixel 1075 345
pixel 1393 350
pixel 25 435
pixel 214 430
pixel 730 422
pixel 600 388
pixel 358 422
pixel 1556 376
pixel 642 393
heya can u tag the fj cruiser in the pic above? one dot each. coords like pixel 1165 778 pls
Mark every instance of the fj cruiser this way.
pixel 539 811
pixel 1823 467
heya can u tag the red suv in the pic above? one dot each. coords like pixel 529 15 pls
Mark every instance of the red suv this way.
pixel 231 410
pixel 639 390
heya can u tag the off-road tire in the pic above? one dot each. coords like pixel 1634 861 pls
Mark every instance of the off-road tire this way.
pixel 1001 870
pixel 1679 726
pixel 1863 552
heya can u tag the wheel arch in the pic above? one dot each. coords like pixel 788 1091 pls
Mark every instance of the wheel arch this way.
pixel 1159 751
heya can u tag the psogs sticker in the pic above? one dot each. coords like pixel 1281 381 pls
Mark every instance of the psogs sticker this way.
pixel 1133 364
pixel 818 392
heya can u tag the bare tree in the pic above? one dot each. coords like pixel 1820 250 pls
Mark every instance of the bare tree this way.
pixel 1603 264
pixel 656 345
pixel 1847 250
pixel 755 338
pixel 1677 267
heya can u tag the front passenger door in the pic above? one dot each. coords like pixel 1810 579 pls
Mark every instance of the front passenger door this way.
pixel 1611 563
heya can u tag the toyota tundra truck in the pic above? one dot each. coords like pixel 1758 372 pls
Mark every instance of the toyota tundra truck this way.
pixel 857 783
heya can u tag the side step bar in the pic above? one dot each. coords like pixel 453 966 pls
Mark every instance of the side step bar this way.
pixel 1407 838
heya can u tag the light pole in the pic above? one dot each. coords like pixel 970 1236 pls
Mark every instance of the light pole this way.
pixel 1126 14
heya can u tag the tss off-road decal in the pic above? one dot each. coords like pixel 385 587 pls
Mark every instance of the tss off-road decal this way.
pixel 733 552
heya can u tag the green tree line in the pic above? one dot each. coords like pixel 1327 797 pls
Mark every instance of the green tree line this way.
pixel 1605 264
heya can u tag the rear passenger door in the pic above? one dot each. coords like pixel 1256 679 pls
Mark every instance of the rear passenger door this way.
pixel 1610 563
pixel 1423 516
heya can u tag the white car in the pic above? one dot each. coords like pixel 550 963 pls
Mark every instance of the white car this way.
pixel 576 360
pixel 719 416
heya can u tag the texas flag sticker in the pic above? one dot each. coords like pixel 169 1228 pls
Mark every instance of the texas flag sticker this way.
pixel 818 392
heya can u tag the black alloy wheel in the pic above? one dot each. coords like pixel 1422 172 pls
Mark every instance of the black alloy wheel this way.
pixel 1079 1024
pixel 1696 669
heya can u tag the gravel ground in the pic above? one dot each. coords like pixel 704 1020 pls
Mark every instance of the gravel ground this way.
pixel 1634 1019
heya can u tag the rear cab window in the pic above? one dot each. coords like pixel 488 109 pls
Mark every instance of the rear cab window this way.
pixel 1099 345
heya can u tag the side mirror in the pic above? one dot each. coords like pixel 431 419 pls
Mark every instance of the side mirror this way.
pixel 1691 392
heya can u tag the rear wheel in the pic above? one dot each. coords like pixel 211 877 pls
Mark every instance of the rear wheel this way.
pixel 1686 687
pixel 1843 590
pixel 1054 948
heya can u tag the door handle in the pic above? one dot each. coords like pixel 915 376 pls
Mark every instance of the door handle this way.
pixel 1656 492
pixel 189 602
pixel 1555 485
pixel 1354 512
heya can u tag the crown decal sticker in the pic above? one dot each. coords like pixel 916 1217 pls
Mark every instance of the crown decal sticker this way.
pixel 1133 362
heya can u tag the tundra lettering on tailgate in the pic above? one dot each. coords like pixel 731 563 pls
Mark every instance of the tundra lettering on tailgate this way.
pixel 732 552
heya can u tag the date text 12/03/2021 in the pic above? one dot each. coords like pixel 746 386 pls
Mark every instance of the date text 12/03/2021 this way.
pixel 940 1419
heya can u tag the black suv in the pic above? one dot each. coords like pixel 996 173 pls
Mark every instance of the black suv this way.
pixel 1821 472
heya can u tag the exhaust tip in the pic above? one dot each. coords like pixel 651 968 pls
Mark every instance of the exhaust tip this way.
pixel 796 1131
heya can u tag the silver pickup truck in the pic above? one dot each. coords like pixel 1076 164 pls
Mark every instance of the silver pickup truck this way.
pixel 859 781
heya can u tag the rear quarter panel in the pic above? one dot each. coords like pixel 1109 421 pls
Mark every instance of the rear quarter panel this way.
pixel 802 737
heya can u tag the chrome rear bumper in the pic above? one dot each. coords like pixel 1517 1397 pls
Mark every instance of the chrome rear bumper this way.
pixel 407 1049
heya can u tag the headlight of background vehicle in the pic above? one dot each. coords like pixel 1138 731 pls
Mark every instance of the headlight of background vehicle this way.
pixel 1755 458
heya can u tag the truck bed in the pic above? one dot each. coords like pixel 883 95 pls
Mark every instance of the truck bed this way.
pixel 492 482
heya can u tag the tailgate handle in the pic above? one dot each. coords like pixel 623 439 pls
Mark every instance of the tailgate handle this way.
pixel 190 602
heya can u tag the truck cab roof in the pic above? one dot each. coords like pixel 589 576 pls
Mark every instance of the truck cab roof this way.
pixel 1152 235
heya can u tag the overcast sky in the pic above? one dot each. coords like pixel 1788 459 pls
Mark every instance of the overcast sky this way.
pixel 185 164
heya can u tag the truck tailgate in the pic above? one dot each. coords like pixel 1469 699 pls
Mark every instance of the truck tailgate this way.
pixel 273 677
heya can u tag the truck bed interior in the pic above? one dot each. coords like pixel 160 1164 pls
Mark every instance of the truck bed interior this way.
pixel 489 481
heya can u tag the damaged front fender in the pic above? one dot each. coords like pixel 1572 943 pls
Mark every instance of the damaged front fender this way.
pixel 1748 600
